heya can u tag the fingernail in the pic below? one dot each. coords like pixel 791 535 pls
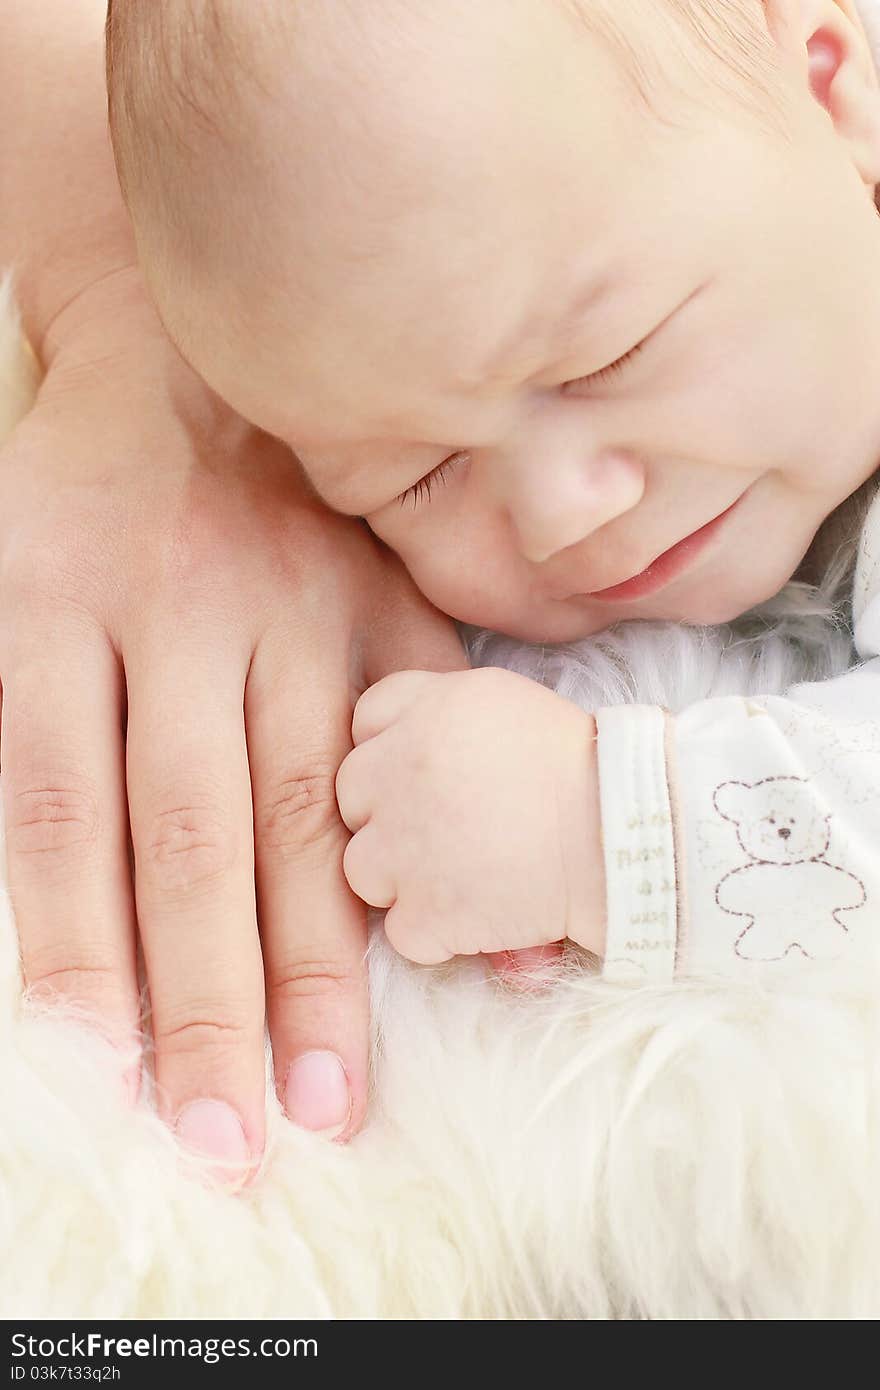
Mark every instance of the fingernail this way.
pixel 316 1093
pixel 212 1128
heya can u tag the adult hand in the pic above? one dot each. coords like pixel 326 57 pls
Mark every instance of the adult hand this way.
pixel 184 632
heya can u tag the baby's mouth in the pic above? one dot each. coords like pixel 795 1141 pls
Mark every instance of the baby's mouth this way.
pixel 668 565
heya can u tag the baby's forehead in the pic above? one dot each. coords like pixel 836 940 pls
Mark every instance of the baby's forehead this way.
pixel 360 135
pixel 218 102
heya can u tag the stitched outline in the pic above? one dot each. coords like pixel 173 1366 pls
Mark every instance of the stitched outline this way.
pixel 755 860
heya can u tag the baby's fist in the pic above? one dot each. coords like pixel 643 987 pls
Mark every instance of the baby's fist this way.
pixel 472 797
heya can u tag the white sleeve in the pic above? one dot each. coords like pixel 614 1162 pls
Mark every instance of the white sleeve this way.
pixel 744 831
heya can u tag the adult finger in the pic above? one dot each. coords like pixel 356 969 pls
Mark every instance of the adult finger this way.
pixel 191 822
pixel 67 822
pixel 313 928
pixel 401 630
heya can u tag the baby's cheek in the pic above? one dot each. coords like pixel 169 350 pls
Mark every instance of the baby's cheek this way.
pixel 433 573
pixel 443 561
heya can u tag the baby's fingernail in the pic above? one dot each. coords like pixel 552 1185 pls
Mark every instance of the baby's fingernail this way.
pixel 316 1093
pixel 212 1128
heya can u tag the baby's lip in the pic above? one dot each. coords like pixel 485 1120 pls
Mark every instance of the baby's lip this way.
pixel 664 566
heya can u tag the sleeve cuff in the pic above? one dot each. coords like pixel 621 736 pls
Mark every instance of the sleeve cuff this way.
pixel 638 844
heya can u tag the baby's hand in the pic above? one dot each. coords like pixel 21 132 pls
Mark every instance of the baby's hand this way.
pixel 472 797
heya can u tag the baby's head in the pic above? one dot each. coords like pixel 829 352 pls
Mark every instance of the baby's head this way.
pixel 407 236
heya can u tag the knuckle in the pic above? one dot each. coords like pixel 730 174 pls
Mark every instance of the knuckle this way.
pixel 204 1030
pixel 299 813
pixel 55 565
pixel 52 817
pixel 68 978
pixel 81 982
pixel 82 973
pixel 186 848
pixel 300 978
pixel 487 682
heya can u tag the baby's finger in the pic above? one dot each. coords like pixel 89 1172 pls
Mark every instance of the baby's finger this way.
pixel 413 940
pixel 366 872
pixel 386 701
pixel 314 929
pixel 67 823
pixel 355 787
pixel 191 820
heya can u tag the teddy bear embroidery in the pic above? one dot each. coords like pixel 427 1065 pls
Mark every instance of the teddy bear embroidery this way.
pixel 788 896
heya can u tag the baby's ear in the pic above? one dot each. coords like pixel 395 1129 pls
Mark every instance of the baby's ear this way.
pixel 731 800
pixel 843 78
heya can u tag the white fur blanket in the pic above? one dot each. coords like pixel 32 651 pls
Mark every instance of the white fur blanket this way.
pixel 699 1151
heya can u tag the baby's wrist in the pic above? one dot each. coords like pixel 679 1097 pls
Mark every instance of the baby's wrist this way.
pixel 583 853
pixel 591 932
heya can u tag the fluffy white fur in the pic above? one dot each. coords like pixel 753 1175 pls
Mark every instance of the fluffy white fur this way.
pixel 703 1151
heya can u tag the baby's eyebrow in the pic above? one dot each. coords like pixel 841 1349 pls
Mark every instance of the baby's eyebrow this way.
pixel 543 323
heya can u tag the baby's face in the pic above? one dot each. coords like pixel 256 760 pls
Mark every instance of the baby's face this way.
pixel 537 338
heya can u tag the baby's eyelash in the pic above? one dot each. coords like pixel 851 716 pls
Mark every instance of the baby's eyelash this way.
pixel 438 474
pixel 441 472
pixel 612 368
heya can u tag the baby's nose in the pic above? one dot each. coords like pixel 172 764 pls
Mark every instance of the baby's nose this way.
pixel 558 504
pixel 784 832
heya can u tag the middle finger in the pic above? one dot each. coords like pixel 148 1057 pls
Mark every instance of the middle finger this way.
pixel 192 832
